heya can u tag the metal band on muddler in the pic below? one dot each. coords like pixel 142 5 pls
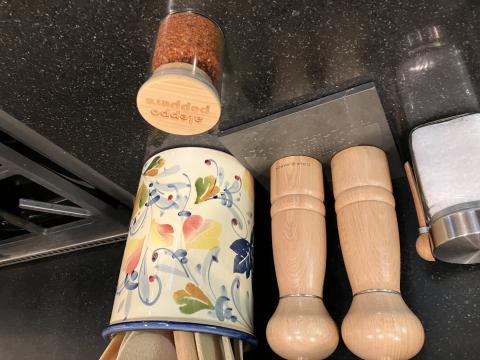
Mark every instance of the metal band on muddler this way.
pixel 301 296
pixel 368 291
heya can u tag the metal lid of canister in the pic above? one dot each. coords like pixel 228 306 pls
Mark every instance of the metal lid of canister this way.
pixel 454 230
pixel 456 236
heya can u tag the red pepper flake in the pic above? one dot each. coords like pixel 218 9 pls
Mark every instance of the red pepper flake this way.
pixel 190 38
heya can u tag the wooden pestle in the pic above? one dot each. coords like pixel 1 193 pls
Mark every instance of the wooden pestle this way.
pixel 378 325
pixel 301 327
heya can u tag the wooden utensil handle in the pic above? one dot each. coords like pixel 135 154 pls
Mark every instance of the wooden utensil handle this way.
pixel 185 345
pixel 415 195
pixel 423 244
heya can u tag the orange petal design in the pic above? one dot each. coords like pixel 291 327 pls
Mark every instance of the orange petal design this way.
pixel 132 253
pixel 201 234
pixel 195 291
pixel 161 234
pixel 192 290
pixel 191 225
pixel 179 294
pixel 152 172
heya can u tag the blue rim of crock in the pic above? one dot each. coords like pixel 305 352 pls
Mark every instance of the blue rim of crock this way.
pixel 180 326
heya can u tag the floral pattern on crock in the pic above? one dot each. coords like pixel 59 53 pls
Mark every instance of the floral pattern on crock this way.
pixel 143 266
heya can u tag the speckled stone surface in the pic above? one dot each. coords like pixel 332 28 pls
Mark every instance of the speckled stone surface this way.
pixel 71 71
pixel 56 308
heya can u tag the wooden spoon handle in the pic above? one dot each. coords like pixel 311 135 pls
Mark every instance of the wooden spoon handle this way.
pixel 209 346
pixel 111 351
pixel 416 197
pixel 227 348
pixel 423 244
pixel 185 345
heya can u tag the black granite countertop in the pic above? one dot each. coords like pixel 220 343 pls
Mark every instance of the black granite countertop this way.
pixel 71 71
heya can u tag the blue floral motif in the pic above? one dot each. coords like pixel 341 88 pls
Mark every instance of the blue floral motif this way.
pixel 243 262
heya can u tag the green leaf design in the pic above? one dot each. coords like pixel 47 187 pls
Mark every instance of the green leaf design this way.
pixel 192 299
pixel 206 188
pixel 157 162
pixel 191 305
pixel 142 196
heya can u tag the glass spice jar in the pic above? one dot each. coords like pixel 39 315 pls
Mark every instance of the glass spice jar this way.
pixel 183 94
pixel 446 160
pixel 433 79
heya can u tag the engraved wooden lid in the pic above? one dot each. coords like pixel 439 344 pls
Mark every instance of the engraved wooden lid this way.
pixel 179 99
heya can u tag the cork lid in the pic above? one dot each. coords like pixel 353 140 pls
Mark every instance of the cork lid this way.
pixel 179 99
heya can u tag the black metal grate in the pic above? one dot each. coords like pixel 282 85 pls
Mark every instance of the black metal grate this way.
pixel 64 250
pixel 46 209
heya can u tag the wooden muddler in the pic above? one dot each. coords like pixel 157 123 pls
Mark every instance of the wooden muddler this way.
pixel 379 325
pixel 301 327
